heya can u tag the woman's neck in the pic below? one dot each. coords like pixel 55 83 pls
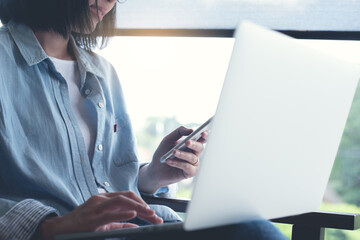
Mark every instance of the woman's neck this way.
pixel 54 44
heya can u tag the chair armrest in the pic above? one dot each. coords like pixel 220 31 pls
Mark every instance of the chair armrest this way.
pixel 178 205
pixel 322 219
pixel 319 219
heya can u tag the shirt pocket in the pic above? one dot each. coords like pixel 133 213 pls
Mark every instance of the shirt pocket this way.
pixel 124 149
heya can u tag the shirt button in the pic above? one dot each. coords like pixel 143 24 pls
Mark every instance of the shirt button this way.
pixel 101 105
pixel 107 184
pixel 87 91
pixel 100 147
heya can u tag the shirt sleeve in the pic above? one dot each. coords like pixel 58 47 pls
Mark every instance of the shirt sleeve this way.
pixel 23 218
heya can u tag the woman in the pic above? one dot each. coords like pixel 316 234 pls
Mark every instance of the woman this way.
pixel 67 154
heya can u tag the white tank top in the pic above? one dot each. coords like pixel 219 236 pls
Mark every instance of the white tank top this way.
pixel 70 71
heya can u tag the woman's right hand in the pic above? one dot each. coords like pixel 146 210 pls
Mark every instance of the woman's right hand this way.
pixel 100 213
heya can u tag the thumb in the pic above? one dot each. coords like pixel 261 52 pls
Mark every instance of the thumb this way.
pixel 177 134
pixel 116 225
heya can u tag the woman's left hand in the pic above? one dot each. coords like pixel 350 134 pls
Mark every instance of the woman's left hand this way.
pixel 185 164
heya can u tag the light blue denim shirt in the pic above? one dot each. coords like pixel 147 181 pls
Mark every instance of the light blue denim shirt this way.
pixel 44 166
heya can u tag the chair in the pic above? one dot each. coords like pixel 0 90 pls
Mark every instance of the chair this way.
pixel 308 226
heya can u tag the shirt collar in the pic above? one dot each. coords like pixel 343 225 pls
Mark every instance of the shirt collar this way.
pixel 33 53
pixel 27 43
pixel 86 60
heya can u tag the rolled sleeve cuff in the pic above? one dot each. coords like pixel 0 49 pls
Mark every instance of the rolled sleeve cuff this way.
pixel 167 192
pixel 21 221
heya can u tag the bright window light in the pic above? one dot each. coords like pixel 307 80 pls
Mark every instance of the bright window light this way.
pixel 166 77
pixel 181 78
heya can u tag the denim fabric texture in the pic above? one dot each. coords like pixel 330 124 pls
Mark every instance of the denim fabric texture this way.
pixel 43 157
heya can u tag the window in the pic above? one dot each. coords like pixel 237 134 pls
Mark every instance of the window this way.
pixel 168 82
pixel 320 15
pixel 171 79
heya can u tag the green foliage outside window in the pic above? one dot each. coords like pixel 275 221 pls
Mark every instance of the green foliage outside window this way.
pixel 345 178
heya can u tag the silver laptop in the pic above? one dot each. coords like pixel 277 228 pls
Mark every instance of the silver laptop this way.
pixel 275 133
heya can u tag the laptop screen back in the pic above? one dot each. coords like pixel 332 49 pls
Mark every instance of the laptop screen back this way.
pixel 276 131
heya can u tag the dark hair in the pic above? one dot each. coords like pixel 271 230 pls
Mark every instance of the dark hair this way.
pixel 58 16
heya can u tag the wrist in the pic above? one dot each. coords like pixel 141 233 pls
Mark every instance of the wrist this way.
pixel 147 180
pixel 47 228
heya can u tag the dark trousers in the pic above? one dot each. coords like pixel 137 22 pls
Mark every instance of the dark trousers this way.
pixel 254 230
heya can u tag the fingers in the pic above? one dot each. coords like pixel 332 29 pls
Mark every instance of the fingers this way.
pixel 104 209
pixel 129 194
pixel 106 218
pixel 116 225
pixel 186 157
pixel 186 161
pixel 191 157
pixel 196 146
pixel 188 169
pixel 204 136
pixel 125 202
pixel 177 134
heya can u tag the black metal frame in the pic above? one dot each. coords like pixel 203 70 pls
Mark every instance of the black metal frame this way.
pixel 228 33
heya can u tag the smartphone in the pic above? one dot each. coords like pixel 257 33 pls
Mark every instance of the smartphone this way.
pixel 195 135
